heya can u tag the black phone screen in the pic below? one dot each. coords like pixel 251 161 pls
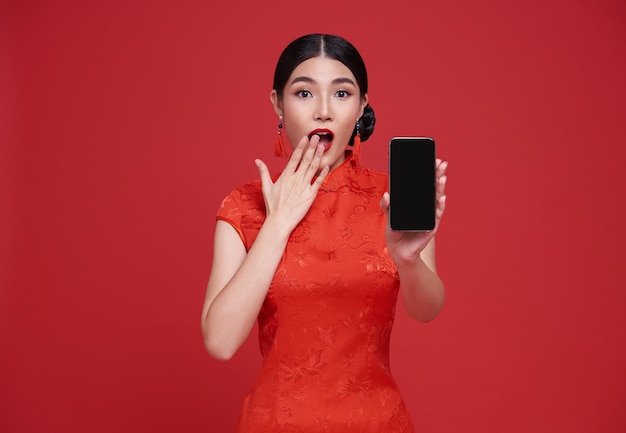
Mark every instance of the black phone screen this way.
pixel 412 183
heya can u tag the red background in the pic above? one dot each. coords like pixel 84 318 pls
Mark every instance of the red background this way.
pixel 123 124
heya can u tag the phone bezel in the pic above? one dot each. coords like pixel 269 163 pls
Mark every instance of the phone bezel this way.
pixel 434 147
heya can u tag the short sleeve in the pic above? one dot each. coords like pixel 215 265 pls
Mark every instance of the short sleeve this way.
pixel 230 211
pixel 244 209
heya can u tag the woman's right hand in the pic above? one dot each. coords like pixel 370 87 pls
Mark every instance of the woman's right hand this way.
pixel 239 278
pixel 289 198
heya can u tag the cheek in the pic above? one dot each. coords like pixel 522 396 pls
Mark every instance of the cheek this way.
pixel 294 114
pixel 348 127
pixel 293 133
pixel 292 127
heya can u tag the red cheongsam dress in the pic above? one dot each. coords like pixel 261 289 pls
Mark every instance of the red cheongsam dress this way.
pixel 325 325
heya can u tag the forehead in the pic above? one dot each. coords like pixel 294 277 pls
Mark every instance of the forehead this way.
pixel 322 70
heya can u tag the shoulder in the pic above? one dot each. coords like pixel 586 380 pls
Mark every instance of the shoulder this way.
pixel 368 177
pixel 241 199
pixel 373 174
pixel 246 192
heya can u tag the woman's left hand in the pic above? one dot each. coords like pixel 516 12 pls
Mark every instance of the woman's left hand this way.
pixel 405 247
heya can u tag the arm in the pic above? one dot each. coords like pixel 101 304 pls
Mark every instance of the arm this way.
pixel 423 291
pixel 239 280
pixel 414 255
pixel 237 285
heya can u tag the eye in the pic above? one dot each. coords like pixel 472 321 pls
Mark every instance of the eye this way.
pixel 303 93
pixel 342 94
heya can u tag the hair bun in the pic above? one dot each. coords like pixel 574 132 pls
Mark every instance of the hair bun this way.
pixel 367 122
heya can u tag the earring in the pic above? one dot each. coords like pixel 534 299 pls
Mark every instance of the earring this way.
pixel 356 146
pixel 279 146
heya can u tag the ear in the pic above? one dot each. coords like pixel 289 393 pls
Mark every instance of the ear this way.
pixel 364 102
pixel 276 102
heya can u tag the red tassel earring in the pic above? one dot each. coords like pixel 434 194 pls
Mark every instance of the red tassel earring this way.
pixel 279 146
pixel 356 147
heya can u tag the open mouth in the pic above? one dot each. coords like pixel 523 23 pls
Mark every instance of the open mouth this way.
pixel 326 137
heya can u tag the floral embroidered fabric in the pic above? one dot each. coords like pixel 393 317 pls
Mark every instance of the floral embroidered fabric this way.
pixel 325 325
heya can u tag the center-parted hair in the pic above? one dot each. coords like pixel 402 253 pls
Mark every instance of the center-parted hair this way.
pixel 334 47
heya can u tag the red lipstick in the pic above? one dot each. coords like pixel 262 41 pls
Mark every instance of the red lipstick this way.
pixel 326 137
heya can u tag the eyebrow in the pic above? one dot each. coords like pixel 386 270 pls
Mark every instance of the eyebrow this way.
pixel 341 80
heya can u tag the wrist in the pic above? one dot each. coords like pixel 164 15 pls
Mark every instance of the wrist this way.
pixel 409 263
pixel 277 228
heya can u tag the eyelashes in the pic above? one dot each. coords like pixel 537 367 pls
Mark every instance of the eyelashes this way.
pixel 304 94
pixel 338 94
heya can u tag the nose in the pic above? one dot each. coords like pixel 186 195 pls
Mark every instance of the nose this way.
pixel 323 110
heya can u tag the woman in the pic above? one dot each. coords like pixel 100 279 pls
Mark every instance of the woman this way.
pixel 309 254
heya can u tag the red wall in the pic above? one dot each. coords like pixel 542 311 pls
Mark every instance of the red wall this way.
pixel 124 124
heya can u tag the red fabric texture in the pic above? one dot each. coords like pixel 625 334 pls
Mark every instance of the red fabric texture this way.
pixel 325 326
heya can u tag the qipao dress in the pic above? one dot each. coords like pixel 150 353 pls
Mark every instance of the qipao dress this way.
pixel 325 325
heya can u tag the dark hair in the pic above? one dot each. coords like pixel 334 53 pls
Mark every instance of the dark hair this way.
pixel 335 47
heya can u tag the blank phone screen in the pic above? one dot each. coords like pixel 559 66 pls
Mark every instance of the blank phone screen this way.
pixel 412 184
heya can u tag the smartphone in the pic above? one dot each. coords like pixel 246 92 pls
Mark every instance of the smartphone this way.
pixel 412 183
